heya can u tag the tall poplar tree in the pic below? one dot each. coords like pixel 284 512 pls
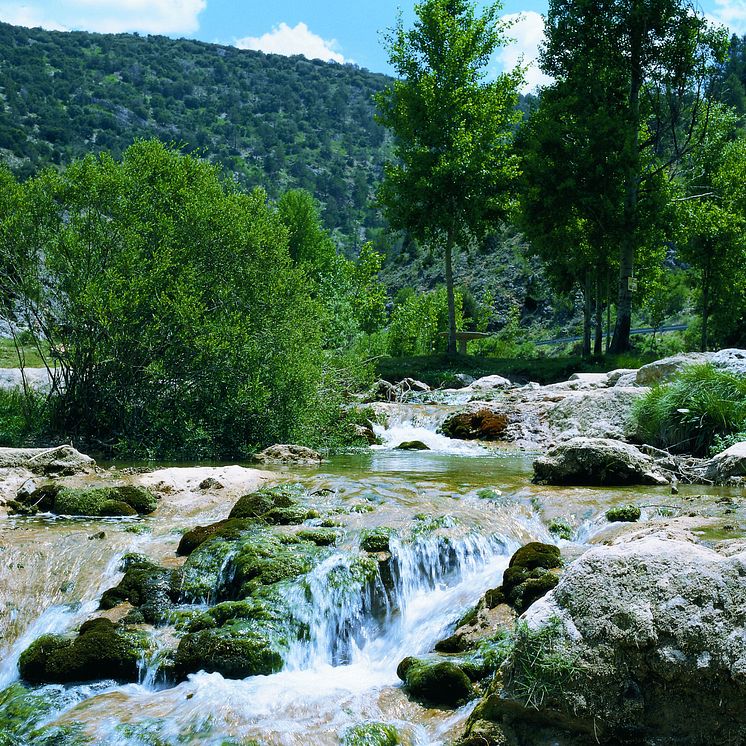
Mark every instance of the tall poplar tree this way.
pixel 654 58
pixel 453 130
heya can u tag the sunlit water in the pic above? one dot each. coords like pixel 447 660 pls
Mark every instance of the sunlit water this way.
pixel 344 673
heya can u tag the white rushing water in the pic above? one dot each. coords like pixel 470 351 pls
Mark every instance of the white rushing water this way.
pixel 420 422
pixel 344 673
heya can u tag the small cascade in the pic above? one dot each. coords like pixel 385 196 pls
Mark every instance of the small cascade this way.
pixel 57 619
pixel 421 422
pixel 373 617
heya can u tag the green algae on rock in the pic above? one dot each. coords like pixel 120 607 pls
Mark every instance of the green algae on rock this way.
pixel 371 734
pixel 101 650
pixel 624 514
pixel 436 682
pixel 376 539
pixel 529 575
pixel 125 500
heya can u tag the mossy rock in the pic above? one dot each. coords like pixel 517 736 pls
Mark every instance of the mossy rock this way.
pixel 204 575
pixel 264 559
pixel 321 537
pixel 561 529
pixel 624 514
pixel 236 650
pixel 229 529
pixel 376 539
pixel 536 554
pixel 277 506
pixel 529 575
pixel 371 734
pixel 435 682
pixel 146 586
pixel 102 650
pixel 413 445
pixel 96 501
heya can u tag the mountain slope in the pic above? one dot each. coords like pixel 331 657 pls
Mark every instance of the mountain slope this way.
pixel 272 121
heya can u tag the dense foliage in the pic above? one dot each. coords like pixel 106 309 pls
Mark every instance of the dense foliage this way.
pixel 271 121
pixel 176 320
pixel 698 412
pixel 453 130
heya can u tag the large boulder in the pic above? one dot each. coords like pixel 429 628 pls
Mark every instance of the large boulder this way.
pixel 641 642
pixel 110 502
pixel 482 423
pixel 597 461
pixel 288 454
pixel 63 460
pixel 491 383
pixel 435 681
pixel 728 465
pixel 664 370
pixel 731 360
pixel 603 413
pixel 37 379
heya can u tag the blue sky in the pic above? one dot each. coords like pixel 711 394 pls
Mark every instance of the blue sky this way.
pixel 341 30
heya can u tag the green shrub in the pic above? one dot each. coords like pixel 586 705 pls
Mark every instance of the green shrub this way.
pixel 689 414
pixel 23 418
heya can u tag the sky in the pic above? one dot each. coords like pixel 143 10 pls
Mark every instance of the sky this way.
pixel 338 30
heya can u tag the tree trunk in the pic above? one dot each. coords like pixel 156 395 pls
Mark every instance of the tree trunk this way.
pixel 599 339
pixel 608 310
pixel 705 308
pixel 621 341
pixel 587 314
pixel 451 351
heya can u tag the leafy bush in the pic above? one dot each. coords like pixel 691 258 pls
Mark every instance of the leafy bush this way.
pixel 420 323
pixel 23 418
pixel 689 414
pixel 181 324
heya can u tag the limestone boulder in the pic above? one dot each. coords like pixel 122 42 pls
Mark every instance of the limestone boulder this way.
pixel 667 368
pixel 63 460
pixel 478 423
pixel 728 465
pixel 597 461
pixel 288 454
pixel 643 642
pixel 602 413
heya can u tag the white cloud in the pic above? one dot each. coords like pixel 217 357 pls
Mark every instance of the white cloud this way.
pixel 731 13
pixel 28 16
pixel 289 41
pixel 108 16
pixel 527 31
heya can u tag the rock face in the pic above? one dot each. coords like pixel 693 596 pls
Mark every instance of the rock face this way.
pixel 652 630
pixel 491 383
pixel 605 413
pixel 288 454
pixel 731 360
pixel 596 461
pixel 63 460
pixel 36 379
pixel 728 465
pixel 480 424
pixel 665 369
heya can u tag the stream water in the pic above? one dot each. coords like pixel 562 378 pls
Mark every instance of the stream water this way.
pixel 343 673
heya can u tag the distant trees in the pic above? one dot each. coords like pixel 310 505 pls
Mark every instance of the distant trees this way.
pixel 646 64
pixel 453 130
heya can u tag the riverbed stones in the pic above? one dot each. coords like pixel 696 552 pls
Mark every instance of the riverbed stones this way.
pixel 597 461
pixel 437 682
pixel 482 423
pixel 101 650
pixel 651 634
pixel 126 500
pixel 288 454
pixel 730 465
pixel 61 461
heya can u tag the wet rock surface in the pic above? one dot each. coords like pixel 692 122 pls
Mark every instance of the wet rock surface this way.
pixel 288 454
pixel 62 460
pixel 597 461
pixel 651 634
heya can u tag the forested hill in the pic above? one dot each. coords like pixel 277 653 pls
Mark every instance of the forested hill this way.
pixel 273 121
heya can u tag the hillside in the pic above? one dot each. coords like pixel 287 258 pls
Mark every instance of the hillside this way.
pixel 272 121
